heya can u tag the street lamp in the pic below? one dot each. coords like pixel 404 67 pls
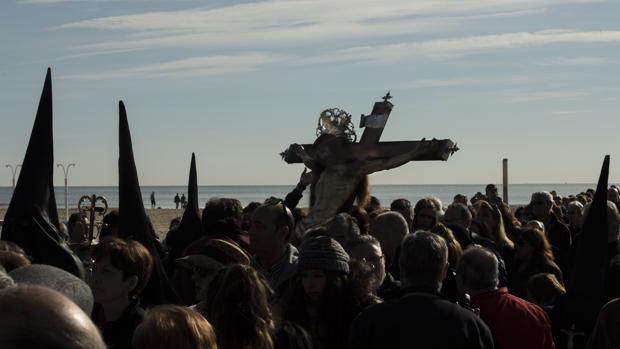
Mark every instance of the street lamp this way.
pixel 13 172
pixel 66 172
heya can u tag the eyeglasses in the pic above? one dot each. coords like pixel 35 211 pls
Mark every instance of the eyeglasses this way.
pixel 373 261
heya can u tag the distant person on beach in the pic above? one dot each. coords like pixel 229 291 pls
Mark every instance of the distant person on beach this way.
pixel 177 200
pixel 153 199
pixel 183 201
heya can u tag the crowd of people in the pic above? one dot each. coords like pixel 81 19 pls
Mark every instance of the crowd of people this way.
pixel 473 274
pixel 345 273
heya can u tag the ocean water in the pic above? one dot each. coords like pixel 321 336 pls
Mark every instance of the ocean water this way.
pixel 518 194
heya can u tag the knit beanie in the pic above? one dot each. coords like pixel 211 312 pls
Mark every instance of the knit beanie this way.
pixel 323 253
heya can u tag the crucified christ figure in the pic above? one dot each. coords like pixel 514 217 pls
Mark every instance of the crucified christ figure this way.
pixel 339 172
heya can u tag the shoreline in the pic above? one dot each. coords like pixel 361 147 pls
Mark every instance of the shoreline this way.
pixel 160 217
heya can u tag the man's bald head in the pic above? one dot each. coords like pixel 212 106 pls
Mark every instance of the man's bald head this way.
pixel 38 317
pixel 389 228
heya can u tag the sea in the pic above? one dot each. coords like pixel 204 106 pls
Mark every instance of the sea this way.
pixel 518 194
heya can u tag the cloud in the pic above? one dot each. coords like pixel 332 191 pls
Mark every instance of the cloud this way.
pixel 538 96
pixel 578 61
pixel 298 22
pixel 38 2
pixel 189 67
pixel 469 81
pixel 572 112
pixel 454 47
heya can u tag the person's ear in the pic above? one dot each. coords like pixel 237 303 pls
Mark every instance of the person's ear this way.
pixel 131 283
pixel 284 232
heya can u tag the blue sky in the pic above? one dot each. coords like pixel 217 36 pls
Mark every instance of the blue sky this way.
pixel 535 81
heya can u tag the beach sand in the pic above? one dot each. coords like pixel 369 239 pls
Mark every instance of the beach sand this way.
pixel 159 217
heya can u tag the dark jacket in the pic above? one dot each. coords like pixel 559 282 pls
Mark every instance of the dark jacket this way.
pixel 420 319
pixel 119 333
pixel 491 246
pixel 560 238
pixel 389 289
pixel 522 271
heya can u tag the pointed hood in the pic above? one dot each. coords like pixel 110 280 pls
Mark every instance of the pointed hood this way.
pixel 133 221
pixel 190 229
pixel 31 221
pixel 587 289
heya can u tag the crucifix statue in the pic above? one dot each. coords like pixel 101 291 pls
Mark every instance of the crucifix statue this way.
pixel 341 165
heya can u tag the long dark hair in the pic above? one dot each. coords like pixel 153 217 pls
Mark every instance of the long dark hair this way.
pixel 238 308
pixel 334 310
pixel 419 206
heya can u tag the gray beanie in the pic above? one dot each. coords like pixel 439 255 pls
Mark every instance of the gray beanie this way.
pixel 58 280
pixel 5 279
pixel 323 253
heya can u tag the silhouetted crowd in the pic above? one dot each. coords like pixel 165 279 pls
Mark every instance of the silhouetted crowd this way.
pixel 474 274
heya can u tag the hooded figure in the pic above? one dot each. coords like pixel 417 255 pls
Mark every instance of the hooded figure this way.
pixel 31 221
pixel 134 223
pixel 190 228
pixel 586 291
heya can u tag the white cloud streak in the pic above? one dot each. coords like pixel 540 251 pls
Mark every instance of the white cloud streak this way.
pixel 454 47
pixel 562 61
pixel 298 22
pixel 508 80
pixel 189 67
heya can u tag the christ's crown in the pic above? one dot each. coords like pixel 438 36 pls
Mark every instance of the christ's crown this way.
pixel 336 122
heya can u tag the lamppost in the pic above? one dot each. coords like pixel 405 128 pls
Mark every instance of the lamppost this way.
pixel 66 172
pixel 13 172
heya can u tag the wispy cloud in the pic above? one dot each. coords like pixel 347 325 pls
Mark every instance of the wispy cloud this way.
pixel 38 2
pixel 522 96
pixel 578 61
pixel 508 80
pixel 189 67
pixel 571 112
pixel 454 47
pixel 288 22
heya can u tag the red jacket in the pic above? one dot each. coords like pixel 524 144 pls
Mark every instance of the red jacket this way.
pixel 514 322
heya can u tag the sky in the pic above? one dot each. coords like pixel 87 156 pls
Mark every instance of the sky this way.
pixel 236 82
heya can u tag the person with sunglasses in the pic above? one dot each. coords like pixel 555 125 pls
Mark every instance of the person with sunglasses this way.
pixel 270 232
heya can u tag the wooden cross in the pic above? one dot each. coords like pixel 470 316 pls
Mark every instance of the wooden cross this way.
pixel 370 148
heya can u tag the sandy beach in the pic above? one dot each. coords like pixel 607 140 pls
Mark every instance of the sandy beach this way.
pixel 160 217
